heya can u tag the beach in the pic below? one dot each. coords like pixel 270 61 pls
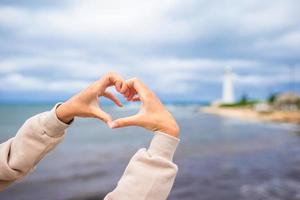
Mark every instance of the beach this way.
pixel 218 157
pixel 252 115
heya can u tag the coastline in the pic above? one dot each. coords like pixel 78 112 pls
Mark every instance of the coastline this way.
pixel 252 115
pixel 220 154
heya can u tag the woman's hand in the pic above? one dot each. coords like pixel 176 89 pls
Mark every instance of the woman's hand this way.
pixel 152 115
pixel 86 103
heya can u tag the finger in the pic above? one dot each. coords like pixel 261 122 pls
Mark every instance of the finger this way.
pixel 100 114
pixel 112 97
pixel 126 94
pixel 118 86
pixel 132 94
pixel 123 88
pixel 127 121
pixel 136 99
pixel 140 87
pixel 112 78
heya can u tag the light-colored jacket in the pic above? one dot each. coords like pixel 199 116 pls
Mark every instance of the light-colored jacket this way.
pixel 149 175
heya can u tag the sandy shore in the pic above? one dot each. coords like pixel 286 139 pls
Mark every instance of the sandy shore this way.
pixel 249 114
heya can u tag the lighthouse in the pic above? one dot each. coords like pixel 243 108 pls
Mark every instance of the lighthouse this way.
pixel 228 90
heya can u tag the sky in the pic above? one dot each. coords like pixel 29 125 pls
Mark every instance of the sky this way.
pixel 49 50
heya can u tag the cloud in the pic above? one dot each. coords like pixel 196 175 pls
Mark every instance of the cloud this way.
pixel 113 20
pixel 17 82
pixel 179 48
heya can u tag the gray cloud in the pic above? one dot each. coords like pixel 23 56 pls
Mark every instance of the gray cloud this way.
pixel 183 45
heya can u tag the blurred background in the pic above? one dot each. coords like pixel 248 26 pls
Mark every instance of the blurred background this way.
pixel 228 70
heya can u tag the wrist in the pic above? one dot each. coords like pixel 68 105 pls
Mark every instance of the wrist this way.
pixel 171 130
pixel 64 113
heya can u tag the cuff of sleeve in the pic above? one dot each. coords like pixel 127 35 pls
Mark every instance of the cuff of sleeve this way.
pixel 163 145
pixel 53 126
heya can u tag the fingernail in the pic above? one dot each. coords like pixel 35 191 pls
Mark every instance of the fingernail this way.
pixel 111 124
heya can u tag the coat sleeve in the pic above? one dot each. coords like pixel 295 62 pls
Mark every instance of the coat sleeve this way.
pixel 150 173
pixel 37 136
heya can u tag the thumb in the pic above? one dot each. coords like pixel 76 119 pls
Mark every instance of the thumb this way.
pixel 126 121
pixel 100 114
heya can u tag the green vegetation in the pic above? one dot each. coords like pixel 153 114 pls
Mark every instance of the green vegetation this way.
pixel 243 102
pixel 283 101
pixel 272 98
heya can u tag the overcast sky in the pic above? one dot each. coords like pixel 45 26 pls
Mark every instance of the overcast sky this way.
pixel 52 49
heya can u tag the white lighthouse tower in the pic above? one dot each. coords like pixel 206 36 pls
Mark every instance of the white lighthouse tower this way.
pixel 228 93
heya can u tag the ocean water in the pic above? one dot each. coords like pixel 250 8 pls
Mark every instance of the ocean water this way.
pixel 218 158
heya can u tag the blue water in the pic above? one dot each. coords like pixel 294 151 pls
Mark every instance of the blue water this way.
pixel 218 158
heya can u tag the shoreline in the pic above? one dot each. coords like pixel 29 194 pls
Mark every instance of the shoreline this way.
pixel 252 115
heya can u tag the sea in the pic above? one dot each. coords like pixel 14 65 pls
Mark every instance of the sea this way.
pixel 218 157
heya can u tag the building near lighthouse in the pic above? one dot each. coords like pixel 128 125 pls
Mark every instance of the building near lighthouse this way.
pixel 228 89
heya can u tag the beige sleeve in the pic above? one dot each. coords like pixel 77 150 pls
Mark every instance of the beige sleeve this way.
pixel 150 173
pixel 37 136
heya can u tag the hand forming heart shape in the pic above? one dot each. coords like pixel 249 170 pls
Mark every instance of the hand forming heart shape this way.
pixel 152 114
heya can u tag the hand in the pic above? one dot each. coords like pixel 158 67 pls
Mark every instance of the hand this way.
pixel 86 103
pixel 152 115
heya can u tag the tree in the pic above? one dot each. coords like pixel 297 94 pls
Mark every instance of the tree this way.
pixel 272 98
pixel 244 99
